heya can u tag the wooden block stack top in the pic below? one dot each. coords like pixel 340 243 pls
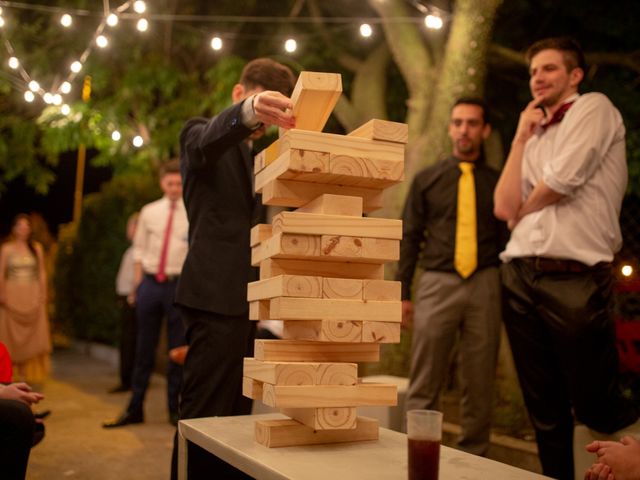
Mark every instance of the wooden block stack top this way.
pixel 322 271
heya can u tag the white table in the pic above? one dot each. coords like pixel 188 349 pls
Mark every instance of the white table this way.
pixel 231 439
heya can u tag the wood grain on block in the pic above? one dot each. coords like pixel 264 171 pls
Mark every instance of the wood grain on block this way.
pixel 382 290
pixel 260 233
pixel 285 286
pixel 330 248
pixel 349 248
pixel 366 172
pixel 312 224
pixel 314 97
pixel 329 204
pixel 340 145
pixel 348 288
pixel 381 332
pixel 290 308
pixel 323 330
pixel 259 310
pixel 334 418
pixel 259 161
pixel 306 351
pixel 272 267
pixel 383 130
pixel 321 396
pixel 251 388
pixel 301 373
pixel 287 433
pixel 293 163
pixel 291 193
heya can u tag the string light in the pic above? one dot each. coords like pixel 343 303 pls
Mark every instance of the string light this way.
pixel 102 41
pixel 433 21
pixel 65 109
pixel 138 141
pixel 76 67
pixel 115 136
pixel 34 86
pixel 366 30
pixel 29 96
pixel 139 6
pixel 142 25
pixel 112 20
pixel 56 99
pixel 48 98
pixel 65 87
pixel 216 43
pixel 14 63
pixel 290 45
pixel 66 20
pixel 1 22
pixel 626 270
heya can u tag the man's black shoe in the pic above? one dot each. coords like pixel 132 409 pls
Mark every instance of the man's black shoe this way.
pixel 119 389
pixel 173 419
pixel 125 419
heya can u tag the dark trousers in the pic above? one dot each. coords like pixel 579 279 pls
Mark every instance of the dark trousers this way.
pixel 561 330
pixel 16 437
pixel 213 381
pixel 127 341
pixel 154 301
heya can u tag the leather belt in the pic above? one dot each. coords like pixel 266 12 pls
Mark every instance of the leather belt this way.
pixel 170 278
pixel 559 265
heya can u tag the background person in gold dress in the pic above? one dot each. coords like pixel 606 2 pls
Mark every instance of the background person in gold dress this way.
pixel 24 326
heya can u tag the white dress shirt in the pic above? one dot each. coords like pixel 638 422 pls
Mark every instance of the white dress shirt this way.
pixel 124 279
pixel 147 243
pixel 584 158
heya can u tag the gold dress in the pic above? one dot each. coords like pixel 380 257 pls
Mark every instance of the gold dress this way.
pixel 24 325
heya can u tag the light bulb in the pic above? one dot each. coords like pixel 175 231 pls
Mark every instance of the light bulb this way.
pixel 65 109
pixel 112 20
pixel 34 86
pixel 76 66
pixel 290 45
pixel 14 63
pixel 65 87
pixel 1 22
pixel 366 30
pixel 66 20
pixel 138 141
pixel 57 99
pixel 216 43
pixel 29 96
pixel 433 21
pixel 48 98
pixel 627 270
pixel 142 25
pixel 102 41
pixel 115 136
pixel 139 6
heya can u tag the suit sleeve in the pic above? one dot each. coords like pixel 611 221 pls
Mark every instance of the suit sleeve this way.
pixel 413 226
pixel 206 140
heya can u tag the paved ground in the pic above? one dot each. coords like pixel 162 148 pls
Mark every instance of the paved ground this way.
pixel 77 447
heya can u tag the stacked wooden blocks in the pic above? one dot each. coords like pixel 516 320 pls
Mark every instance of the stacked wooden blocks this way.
pixel 322 272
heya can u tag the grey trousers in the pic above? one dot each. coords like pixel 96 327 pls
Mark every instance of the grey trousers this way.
pixel 447 307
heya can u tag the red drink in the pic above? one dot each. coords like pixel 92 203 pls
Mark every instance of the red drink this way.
pixel 424 459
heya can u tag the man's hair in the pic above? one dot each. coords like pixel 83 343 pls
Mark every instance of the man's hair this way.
pixel 268 74
pixel 474 101
pixel 171 166
pixel 570 48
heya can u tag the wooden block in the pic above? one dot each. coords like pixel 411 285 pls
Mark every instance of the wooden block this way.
pixel 322 396
pixel 360 249
pixel 340 145
pixel 271 267
pixel 329 204
pixel 382 290
pixel 311 224
pixel 291 164
pixel 314 97
pixel 331 248
pixel 259 310
pixel 335 418
pixel 383 130
pixel 323 330
pixel 301 373
pixel 305 351
pixel 291 193
pixel 251 388
pixel 287 433
pixel 260 233
pixel 285 286
pixel 347 288
pixel 365 172
pixel 289 308
pixel 259 161
pixel 381 332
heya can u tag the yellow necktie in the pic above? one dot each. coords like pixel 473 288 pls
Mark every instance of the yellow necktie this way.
pixel 465 258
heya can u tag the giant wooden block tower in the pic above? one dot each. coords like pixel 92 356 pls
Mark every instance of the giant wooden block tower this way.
pixel 322 272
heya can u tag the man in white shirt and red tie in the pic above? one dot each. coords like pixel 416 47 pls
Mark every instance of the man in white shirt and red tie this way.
pixel 561 192
pixel 159 249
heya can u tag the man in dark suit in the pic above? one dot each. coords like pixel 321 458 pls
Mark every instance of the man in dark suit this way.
pixel 217 175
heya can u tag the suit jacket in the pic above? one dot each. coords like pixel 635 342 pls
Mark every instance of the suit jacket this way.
pixel 217 176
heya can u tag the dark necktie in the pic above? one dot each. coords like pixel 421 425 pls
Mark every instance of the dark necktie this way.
pixel 557 116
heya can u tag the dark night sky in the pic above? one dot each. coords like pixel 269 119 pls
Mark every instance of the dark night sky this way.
pixel 57 206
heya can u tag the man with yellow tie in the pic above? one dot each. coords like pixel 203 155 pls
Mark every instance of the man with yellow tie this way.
pixel 449 231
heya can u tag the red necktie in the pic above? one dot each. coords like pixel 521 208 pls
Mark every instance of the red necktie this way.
pixel 557 116
pixel 161 276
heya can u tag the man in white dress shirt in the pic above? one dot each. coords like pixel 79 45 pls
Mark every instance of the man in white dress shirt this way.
pixel 561 192
pixel 159 249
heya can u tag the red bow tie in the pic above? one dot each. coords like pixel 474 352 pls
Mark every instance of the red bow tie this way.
pixel 557 116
